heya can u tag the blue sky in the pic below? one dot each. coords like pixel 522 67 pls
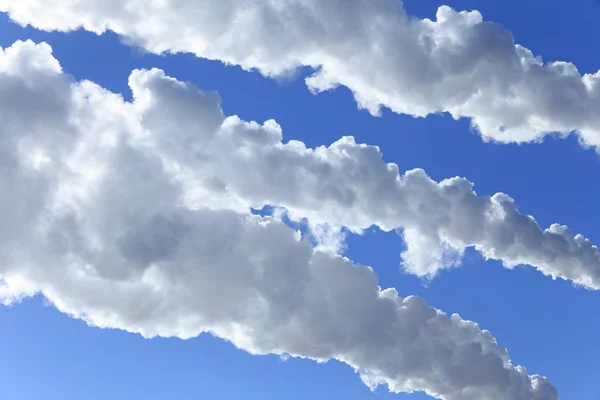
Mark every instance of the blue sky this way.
pixel 548 326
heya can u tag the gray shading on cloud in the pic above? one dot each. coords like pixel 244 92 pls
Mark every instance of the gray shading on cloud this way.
pixel 457 63
pixel 116 212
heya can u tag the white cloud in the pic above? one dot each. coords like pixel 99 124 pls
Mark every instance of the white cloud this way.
pixel 225 163
pixel 233 164
pixel 457 63
pixel 134 216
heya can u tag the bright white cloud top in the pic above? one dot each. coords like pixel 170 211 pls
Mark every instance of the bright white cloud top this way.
pixel 458 63
pixel 134 215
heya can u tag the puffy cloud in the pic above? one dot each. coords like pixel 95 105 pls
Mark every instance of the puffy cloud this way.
pixel 250 280
pixel 220 162
pixel 457 63
pixel 124 215
pixel 233 164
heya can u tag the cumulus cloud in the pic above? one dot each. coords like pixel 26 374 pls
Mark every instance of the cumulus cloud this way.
pixel 125 215
pixel 457 63
pixel 224 163
pixel 232 164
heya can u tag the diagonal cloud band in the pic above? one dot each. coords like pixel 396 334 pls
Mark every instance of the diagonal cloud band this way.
pixel 458 63
pixel 104 211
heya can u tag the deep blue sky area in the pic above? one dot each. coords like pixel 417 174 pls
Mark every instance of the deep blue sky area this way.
pixel 548 326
